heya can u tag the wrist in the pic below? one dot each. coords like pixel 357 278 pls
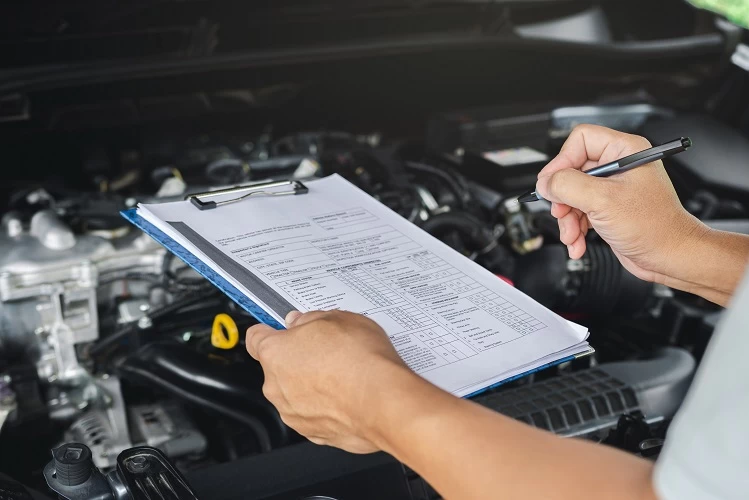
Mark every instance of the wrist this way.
pixel 401 401
pixel 386 382
pixel 688 236
pixel 708 263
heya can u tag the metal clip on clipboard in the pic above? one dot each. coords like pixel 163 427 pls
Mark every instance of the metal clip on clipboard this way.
pixel 253 190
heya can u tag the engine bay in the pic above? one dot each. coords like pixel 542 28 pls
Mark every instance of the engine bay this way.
pixel 109 341
pixel 107 338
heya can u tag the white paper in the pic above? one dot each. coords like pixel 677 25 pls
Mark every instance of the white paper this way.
pixel 451 320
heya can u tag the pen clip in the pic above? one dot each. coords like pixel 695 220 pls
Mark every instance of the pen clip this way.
pixel 252 190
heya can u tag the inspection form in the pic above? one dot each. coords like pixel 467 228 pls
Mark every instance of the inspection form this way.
pixel 452 321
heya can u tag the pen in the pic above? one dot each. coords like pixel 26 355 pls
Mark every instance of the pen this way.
pixel 627 163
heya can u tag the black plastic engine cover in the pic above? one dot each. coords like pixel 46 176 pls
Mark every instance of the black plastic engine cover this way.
pixel 719 156
pixel 302 472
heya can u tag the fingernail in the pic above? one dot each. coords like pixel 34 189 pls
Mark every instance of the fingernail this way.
pixel 542 185
pixel 292 317
pixel 569 249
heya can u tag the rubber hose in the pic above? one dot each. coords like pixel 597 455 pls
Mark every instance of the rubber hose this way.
pixel 253 423
pixel 236 386
pixel 464 223
pixel 102 345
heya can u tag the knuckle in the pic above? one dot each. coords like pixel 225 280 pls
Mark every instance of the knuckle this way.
pixel 634 143
pixel 293 422
pixel 270 391
pixel 326 323
pixel 320 316
pixel 581 128
pixel 263 346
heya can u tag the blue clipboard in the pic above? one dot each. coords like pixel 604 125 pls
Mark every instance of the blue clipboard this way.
pixel 251 307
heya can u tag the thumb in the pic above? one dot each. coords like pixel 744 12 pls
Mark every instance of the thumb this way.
pixel 574 188
pixel 291 318
pixel 296 318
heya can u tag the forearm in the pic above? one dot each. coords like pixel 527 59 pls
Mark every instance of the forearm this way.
pixel 710 264
pixel 466 451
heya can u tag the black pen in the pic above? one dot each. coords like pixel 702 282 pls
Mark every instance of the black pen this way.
pixel 627 163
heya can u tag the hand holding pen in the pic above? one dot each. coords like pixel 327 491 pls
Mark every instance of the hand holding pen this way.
pixel 638 213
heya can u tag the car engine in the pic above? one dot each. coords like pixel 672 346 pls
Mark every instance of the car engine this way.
pixel 106 337
pixel 119 375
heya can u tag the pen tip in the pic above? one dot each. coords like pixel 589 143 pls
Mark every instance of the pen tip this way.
pixel 527 197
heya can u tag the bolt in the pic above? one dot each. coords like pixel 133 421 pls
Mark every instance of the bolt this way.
pixel 145 323
pixel 138 463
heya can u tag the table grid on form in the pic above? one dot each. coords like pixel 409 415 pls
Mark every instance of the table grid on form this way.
pixel 368 287
pixel 507 313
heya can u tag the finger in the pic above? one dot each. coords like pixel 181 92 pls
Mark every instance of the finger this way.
pixel 559 210
pixel 577 248
pixel 569 228
pixel 291 318
pixel 584 222
pixel 591 164
pixel 585 142
pixel 310 316
pixel 257 335
pixel 576 189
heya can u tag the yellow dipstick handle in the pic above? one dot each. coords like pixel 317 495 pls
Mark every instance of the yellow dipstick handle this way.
pixel 224 334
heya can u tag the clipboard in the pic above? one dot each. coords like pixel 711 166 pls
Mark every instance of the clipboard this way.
pixel 203 201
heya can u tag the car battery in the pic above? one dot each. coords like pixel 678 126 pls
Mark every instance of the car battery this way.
pixel 501 147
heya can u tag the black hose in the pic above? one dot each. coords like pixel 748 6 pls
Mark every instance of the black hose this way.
pixel 174 282
pixel 453 184
pixel 252 422
pixel 102 345
pixel 231 389
pixel 478 236
pixel 465 224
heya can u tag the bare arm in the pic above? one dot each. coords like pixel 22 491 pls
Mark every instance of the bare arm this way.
pixel 337 380
pixel 467 451
pixel 711 266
